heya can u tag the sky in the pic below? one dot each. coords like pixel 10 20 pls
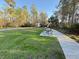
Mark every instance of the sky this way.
pixel 49 6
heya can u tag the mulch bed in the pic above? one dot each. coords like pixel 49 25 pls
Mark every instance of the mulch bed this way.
pixel 74 34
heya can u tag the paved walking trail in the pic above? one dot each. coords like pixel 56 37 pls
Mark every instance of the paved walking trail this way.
pixel 69 46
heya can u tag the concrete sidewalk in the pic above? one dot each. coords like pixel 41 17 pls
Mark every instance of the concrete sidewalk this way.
pixel 69 46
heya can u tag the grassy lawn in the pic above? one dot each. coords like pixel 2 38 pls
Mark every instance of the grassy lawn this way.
pixel 27 44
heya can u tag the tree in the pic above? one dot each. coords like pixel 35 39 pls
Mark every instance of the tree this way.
pixel 25 14
pixel 43 18
pixel 10 12
pixel 68 7
pixel 22 16
pixel 11 3
pixel 34 13
pixel 74 3
pixel 53 20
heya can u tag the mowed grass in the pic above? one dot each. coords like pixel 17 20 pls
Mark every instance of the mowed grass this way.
pixel 28 44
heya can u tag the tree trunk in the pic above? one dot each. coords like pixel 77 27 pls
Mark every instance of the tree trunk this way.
pixel 73 12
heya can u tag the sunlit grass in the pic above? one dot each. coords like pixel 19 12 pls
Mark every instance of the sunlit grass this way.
pixel 27 44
